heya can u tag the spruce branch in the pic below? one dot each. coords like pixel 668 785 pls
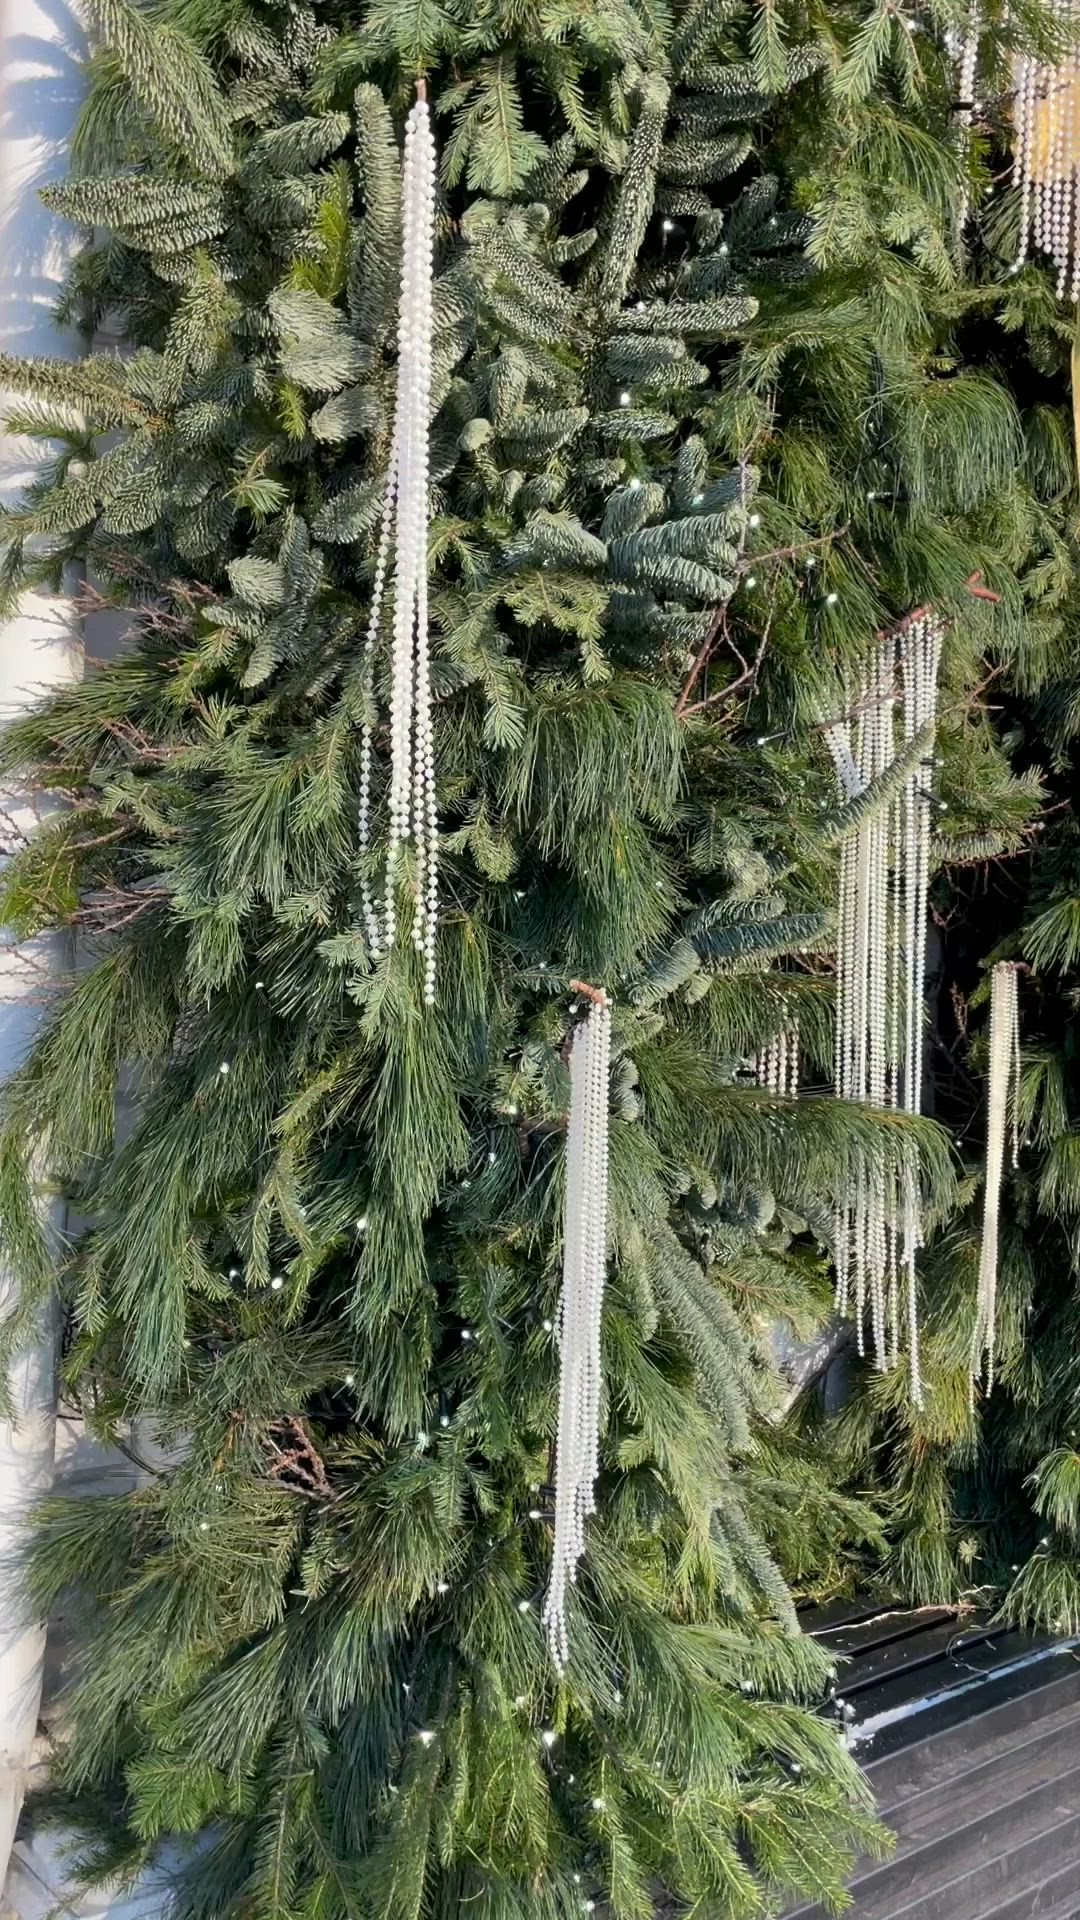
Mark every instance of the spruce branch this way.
pixel 170 82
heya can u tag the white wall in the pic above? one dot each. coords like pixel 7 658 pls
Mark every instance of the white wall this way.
pixel 40 87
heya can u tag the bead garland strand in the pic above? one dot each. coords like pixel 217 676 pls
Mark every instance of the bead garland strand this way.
pixel 777 1067
pixel 404 530
pixel 584 1271
pixel 1046 162
pixel 962 44
pixel 1003 1086
pixel 881 974
pixel 1046 143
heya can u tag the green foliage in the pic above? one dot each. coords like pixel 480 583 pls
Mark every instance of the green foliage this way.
pixel 169 84
pixel 706 418
pixel 983 1499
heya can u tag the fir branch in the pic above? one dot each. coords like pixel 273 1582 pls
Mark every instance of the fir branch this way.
pixel 170 81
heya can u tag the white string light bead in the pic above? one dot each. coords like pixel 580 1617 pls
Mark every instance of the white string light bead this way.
pixel 404 533
pixel 1003 1087
pixel 577 1452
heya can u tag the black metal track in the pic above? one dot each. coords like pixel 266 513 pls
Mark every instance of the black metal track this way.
pixel 970 1734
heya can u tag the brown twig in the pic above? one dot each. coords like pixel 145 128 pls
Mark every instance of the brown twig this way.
pixel 718 620
pixel 297 1463
pixel 103 839
pixel 718 625
pixel 899 626
pixel 972 697
pixel 595 994
pixel 111 908
pixel 975 587
pixel 748 675
pixel 132 737
pixel 801 546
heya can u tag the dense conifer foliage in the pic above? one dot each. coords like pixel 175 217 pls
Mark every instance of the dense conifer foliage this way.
pixel 712 407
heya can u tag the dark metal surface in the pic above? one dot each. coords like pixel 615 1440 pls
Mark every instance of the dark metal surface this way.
pixel 970 1734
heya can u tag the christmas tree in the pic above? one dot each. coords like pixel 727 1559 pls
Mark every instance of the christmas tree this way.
pixel 704 419
pixel 984 1489
pixel 983 1486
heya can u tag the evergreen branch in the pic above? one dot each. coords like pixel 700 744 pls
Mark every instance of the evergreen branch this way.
pixel 94 386
pixel 880 792
pixel 633 206
pixel 324 1244
pixel 171 82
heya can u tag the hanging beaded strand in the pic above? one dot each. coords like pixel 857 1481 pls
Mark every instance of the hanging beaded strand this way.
pixel 962 43
pixel 860 1232
pixel 921 659
pixel 777 1067
pixel 1003 1087
pixel 1046 162
pixel 404 532
pixel 837 734
pixel 577 1449
pixel 880 756
pixel 881 961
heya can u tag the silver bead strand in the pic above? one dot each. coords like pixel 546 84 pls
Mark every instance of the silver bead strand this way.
pixel 871 955
pixel 404 530
pixel 1003 1085
pixel 896 927
pixel 581 1309
pixel 1060 179
pixel 881 960
pixel 372 925
pixel 838 738
pixel 964 47
pixel 1067 237
pixel 404 605
pixel 1025 79
pixel 922 658
pixel 423 797
pixel 1046 162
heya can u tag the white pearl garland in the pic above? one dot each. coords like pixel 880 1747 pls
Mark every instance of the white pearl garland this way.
pixel 1003 1086
pixel 881 978
pixel 405 527
pixel 584 1272
pixel 1047 159
pixel 963 45
pixel 777 1069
